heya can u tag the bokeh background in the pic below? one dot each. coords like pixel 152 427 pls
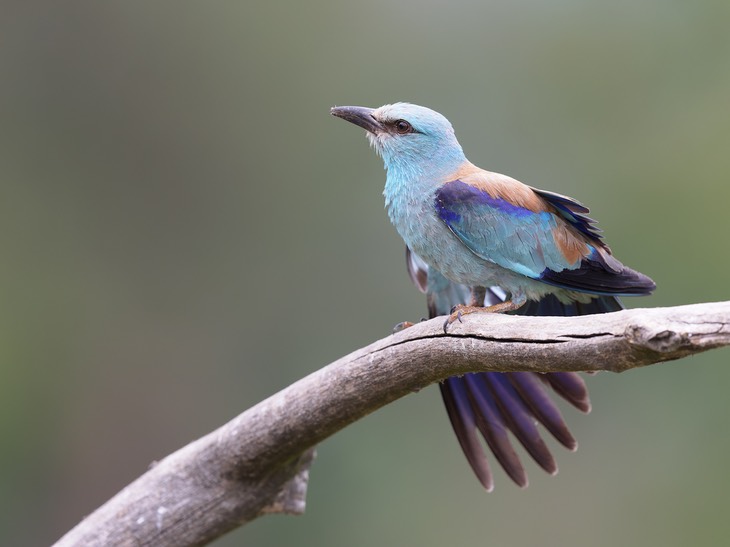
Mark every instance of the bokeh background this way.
pixel 186 230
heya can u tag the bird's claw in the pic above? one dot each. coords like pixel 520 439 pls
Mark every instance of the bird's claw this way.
pixel 456 314
pixel 403 325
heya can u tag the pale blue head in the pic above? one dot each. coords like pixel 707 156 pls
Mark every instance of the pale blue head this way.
pixel 408 137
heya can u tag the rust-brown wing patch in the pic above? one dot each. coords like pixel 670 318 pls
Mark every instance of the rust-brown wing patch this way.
pixel 570 243
pixel 501 186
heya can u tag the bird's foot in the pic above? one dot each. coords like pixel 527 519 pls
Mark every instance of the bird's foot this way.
pixel 504 307
pixel 403 325
pixel 457 312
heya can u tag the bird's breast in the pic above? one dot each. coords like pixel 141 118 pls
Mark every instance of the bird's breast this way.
pixel 415 217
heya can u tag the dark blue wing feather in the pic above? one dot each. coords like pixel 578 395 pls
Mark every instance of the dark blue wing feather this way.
pixel 573 211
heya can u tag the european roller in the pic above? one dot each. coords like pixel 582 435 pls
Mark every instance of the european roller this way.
pixel 482 241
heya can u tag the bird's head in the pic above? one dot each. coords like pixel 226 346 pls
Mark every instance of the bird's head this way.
pixel 407 135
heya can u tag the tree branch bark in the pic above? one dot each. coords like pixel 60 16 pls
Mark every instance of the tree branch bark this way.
pixel 258 462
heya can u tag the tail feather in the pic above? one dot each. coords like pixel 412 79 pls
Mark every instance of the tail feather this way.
pixel 463 420
pixel 531 390
pixel 570 387
pixel 550 306
pixel 519 419
pixel 497 403
pixel 493 427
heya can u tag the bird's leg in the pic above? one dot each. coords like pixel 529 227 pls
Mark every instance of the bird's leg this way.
pixel 476 304
pixel 516 301
pixel 478 294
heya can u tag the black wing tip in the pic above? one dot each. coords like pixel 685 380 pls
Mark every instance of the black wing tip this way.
pixel 594 278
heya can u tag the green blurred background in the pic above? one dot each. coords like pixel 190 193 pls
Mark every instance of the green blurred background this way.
pixel 186 230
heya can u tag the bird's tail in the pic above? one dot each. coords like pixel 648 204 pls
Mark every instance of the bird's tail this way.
pixel 495 403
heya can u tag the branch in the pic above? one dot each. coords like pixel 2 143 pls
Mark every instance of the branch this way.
pixel 258 462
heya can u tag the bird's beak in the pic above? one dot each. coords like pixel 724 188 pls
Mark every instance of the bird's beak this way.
pixel 359 115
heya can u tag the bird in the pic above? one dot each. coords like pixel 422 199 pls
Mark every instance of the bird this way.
pixel 479 241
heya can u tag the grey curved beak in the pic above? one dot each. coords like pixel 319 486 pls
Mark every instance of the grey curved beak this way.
pixel 359 115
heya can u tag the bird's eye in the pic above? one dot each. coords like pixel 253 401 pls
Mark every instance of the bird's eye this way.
pixel 403 127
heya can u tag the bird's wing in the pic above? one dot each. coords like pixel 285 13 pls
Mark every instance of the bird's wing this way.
pixel 522 238
pixel 537 234
pixel 494 403
pixel 574 212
